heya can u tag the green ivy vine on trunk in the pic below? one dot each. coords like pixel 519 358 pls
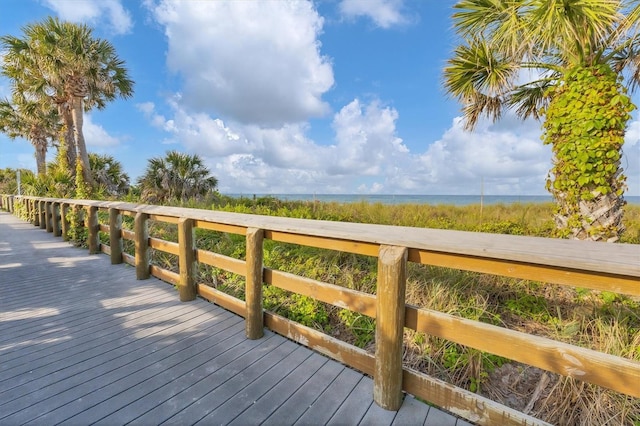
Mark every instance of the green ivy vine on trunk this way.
pixel 585 124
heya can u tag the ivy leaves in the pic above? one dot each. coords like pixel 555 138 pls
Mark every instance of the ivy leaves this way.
pixel 585 124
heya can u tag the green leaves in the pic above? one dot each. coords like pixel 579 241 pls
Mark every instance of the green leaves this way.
pixel 585 125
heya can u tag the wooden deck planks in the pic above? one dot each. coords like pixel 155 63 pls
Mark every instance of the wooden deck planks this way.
pixel 81 341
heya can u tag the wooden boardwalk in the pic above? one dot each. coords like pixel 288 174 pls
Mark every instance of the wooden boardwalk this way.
pixel 83 342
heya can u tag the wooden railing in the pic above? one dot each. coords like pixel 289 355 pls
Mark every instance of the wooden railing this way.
pixel 599 266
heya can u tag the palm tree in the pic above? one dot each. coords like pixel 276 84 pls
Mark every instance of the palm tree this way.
pixel 63 62
pixel 583 54
pixel 176 176
pixel 107 173
pixel 32 121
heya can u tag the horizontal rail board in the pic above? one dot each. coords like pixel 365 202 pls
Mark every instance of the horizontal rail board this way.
pixel 324 242
pixel 165 246
pixel 105 249
pixel 528 271
pixel 466 404
pixel 341 297
pixel 128 259
pixel 164 274
pixel 224 300
pixel 103 228
pixel 128 235
pixel 223 262
pixel 220 227
pixel 327 345
pixel 562 358
pixel 163 218
pixel 621 259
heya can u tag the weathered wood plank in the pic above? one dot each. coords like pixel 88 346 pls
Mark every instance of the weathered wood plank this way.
pixel 413 413
pixel 325 406
pixel 305 396
pixel 254 383
pixel 354 407
pixel 149 395
pixel 268 402
pixel 144 373
pixel 207 394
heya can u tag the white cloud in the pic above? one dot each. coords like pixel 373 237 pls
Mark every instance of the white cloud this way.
pixel 251 62
pixel 366 154
pixel 94 12
pixel 96 136
pixel 510 160
pixel 384 13
pixel 366 139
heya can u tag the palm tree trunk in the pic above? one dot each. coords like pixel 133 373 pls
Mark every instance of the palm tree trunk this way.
pixel 82 154
pixel 40 146
pixel 70 145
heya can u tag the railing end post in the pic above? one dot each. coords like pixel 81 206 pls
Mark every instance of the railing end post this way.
pixel 390 307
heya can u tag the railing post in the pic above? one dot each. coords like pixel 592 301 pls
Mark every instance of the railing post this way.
pixel 10 203
pixel 141 228
pixel 55 222
pixel 115 235
pixel 254 317
pixel 35 210
pixel 387 381
pixel 187 260
pixel 43 214
pixel 93 227
pixel 27 206
pixel 47 216
pixel 64 220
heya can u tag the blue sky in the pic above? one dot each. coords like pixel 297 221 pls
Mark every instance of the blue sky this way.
pixel 331 96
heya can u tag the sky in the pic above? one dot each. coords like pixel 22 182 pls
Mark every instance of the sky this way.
pixel 307 97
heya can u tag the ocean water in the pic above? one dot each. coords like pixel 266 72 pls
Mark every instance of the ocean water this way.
pixel 455 200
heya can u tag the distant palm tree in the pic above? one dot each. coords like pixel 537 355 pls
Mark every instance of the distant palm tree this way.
pixel 107 173
pixel 64 63
pixel 578 51
pixel 32 121
pixel 176 176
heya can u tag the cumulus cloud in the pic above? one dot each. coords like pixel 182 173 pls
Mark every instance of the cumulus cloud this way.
pixel 96 136
pixel 509 159
pixel 366 155
pixel 250 62
pixel 366 139
pixel 94 12
pixel 384 13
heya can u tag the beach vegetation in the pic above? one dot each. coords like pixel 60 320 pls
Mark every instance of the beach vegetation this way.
pixel 176 177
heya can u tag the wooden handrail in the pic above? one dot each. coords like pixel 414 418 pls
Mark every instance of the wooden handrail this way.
pixel 565 262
